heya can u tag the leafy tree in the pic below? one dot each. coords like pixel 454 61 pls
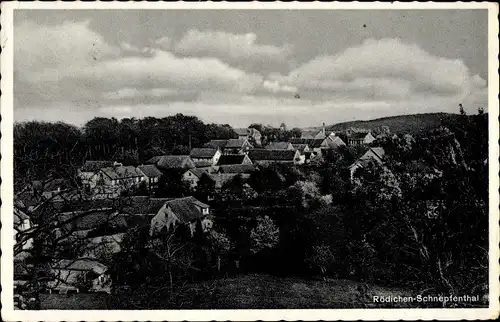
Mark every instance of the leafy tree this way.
pixel 265 235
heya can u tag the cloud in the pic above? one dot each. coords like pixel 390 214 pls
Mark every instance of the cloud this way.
pixel 233 47
pixel 71 62
pixel 164 43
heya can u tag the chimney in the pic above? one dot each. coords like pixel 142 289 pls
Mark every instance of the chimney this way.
pixel 324 131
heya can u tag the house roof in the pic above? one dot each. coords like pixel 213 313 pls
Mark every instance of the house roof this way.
pixel 222 178
pixel 203 153
pixel 313 143
pixel 202 164
pixel 334 142
pixel 82 265
pixel 172 161
pixel 278 155
pixel 90 219
pixel 185 208
pixel 50 185
pixel 300 147
pixel 278 146
pixel 379 151
pixel 198 172
pixel 94 166
pixel 122 172
pixel 235 143
pixel 110 242
pixel 150 170
pixel 358 135
pixel 227 159
pixel 216 143
pixel 242 131
pixel 143 205
pixel 237 168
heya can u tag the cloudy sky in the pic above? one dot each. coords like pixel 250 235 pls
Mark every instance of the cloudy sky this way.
pixel 241 66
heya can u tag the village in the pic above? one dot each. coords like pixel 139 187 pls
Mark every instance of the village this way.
pixel 89 214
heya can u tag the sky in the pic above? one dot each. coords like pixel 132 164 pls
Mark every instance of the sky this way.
pixel 237 67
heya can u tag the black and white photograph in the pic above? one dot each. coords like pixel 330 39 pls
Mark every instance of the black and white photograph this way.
pixel 251 159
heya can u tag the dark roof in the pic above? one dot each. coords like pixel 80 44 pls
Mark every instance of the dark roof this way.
pixel 379 151
pixel 202 164
pixel 198 172
pixel 231 159
pixel 235 143
pixel 300 147
pixel 278 155
pixel 358 135
pixel 242 131
pixel 50 185
pixel 94 166
pixel 278 146
pixel 203 153
pixel 122 172
pixel 81 265
pixel 185 208
pixel 150 170
pixel 237 168
pixel 172 161
pixel 143 205
pixel 334 142
pixel 216 143
pixel 313 143
pixel 90 219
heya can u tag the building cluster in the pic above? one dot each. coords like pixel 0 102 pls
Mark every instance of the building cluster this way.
pixel 104 214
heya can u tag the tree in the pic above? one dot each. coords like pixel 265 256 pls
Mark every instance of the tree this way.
pixel 265 235
pixel 320 258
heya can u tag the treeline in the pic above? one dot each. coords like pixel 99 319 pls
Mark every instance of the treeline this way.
pixel 41 148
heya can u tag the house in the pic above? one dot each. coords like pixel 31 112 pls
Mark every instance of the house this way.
pixel 22 224
pixel 264 156
pixel 172 162
pixel 250 134
pixel 221 178
pixel 49 188
pixel 80 221
pixel 305 152
pixel 87 173
pixel 374 154
pixel 332 143
pixel 228 159
pixel 181 211
pixel 111 181
pixel 314 134
pixel 239 146
pixel 80 274
pixel 192 176
pixel 236 168
pixel 359 138
pixel 221 144
pixel 280 146
pixel 206 154
pixel 151 174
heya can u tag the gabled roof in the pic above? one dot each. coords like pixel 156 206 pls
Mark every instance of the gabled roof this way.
pixel 216 143
pixel 143 205
pixel 95 166
pixel 278 155
pixel 198 172
pixel 237 168
pixel 90 219
pixel 172 161
pixel 122 172
pixel 334 142
pixel 202 164
pixel 186 208
pixel 150 170
pixel 227 159
pixel 379 151
pixel 242 131
pixel 50 185
pixel 81 265
pixel 300 147
pixel 235 143
pixel 358 135
pixel 313 143
pixel 278 146
pixel 202 153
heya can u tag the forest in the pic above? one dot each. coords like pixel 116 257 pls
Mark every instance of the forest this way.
pixel 418 223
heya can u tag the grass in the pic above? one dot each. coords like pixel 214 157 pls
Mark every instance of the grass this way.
pixel 79 301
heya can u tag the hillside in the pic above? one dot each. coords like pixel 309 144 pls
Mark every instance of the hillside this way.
pixel 399 124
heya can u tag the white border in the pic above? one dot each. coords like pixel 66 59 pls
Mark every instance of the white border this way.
pixel 9 314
